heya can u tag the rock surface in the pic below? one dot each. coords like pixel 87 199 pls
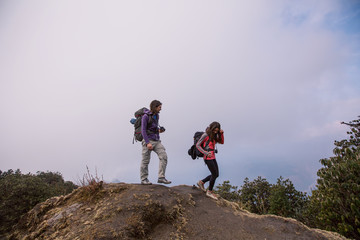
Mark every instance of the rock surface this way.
pixel 133 211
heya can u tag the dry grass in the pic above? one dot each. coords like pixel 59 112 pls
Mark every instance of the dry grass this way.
pixel 91 185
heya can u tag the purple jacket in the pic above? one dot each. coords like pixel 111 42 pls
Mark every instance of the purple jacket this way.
pixel 150 132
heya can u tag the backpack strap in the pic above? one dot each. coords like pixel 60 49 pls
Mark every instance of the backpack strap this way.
pixel 150 120
pixel 206 144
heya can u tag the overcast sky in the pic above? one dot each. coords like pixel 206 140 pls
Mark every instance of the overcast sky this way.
pixel 278 75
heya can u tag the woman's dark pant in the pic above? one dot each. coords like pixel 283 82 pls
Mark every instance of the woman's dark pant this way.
pixel 214 169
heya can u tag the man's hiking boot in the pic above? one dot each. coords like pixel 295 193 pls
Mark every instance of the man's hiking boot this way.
pixel 210 194
pixel 164 180
pixel 201 185
pixel 145 182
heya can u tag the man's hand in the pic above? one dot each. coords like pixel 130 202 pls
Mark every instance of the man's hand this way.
pixel 149 146
pixel 161 129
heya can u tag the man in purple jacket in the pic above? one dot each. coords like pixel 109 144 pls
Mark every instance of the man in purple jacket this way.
pixel 150 131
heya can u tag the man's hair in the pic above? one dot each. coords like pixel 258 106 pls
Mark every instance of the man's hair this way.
pixel 154 104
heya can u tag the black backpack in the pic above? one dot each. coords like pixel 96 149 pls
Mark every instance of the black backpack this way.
pixel 193 151
pixel 137 124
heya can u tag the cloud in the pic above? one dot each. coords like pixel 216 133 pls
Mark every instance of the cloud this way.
pixel 276 76
pixel 333 128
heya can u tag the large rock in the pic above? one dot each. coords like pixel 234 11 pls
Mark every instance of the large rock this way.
pixel 131 211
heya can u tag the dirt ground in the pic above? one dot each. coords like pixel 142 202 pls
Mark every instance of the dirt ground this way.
pixel 134 211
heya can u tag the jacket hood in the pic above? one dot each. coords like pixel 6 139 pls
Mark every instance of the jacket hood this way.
pixel 147 111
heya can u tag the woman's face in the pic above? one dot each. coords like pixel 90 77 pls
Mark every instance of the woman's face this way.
pixel 216 130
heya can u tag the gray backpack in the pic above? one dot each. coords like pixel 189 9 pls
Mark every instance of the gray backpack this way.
pixel 137 124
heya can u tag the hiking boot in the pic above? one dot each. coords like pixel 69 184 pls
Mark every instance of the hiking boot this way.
pixel 145 182
pixel 210 194
pixel 164 180
pixel 201 185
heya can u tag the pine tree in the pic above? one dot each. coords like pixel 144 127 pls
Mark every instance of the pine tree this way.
pixel 337 197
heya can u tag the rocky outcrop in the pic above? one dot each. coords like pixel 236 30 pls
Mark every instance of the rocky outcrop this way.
pixel 132 211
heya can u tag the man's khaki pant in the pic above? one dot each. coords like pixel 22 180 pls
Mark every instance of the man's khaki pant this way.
pixel 159 149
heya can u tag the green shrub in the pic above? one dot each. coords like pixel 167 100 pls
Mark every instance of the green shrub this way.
pixel 21 192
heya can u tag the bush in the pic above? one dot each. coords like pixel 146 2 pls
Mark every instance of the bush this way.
pixel 21 192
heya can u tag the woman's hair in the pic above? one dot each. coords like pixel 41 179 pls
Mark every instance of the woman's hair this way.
pixel 154 104
pixel 210 131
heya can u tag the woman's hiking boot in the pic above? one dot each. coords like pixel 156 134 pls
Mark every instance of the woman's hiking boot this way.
pixel 210 194
pixel 201 185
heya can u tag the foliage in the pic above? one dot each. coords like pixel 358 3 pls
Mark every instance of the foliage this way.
pixel 337 197
pixel 286 201
pixel 261 197
pixel 255 195
pixel 227 191
pixel 21 192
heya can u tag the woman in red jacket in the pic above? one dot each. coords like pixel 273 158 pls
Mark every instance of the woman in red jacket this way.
pixel 206 145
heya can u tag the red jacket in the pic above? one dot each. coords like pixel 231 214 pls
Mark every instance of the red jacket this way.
pixel 200 145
